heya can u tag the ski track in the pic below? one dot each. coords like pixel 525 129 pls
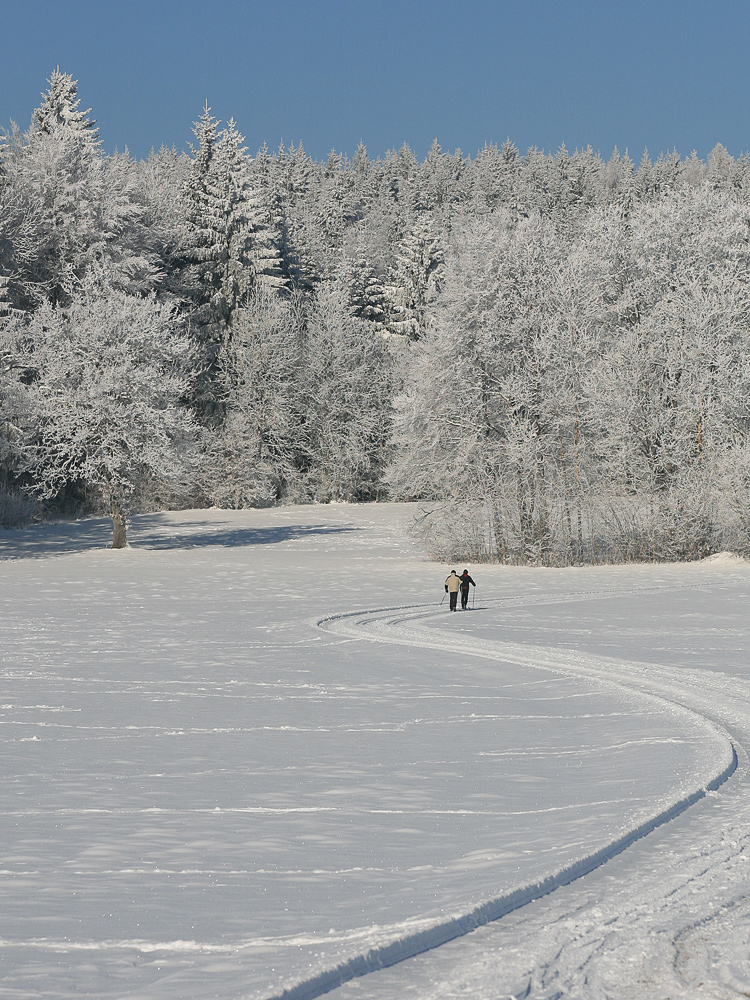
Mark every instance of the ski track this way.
pixel 713 702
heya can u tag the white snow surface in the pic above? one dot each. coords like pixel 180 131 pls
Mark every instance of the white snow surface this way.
pixel 253 756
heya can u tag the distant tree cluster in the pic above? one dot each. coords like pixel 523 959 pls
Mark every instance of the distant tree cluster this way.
pixel 550 352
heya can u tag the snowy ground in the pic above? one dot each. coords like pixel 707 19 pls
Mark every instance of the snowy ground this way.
pixel 228 774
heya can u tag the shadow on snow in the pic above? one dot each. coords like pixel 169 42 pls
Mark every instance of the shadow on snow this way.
pixel 147 531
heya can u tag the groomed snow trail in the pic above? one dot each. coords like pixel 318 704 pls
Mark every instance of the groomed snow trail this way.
pixel 670 918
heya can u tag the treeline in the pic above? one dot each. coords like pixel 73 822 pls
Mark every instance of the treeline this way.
pixel 549 351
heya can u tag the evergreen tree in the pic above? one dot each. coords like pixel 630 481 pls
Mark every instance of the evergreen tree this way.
pixel 18 242
pixel 79 208
pixel 720 169
pixel 288 272
pixel 231 243
pixel 645 183
pixel 297 185
pixel 231 216
pixel 269 228
pixel 365 275
pixel 204 210
pixel 618 182
pixel 60 109
pixel 439 179
pixel 416 279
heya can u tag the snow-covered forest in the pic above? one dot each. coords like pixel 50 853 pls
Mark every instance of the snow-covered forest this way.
pixel 550 351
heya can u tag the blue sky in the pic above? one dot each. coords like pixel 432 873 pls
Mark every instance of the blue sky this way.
pixel 661 74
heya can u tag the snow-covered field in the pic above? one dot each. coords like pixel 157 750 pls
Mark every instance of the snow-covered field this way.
pixel 252 753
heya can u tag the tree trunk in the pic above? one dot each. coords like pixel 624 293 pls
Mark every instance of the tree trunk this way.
pixel 525 512
pixel 579 500
pixel 566 508
pixel 119 541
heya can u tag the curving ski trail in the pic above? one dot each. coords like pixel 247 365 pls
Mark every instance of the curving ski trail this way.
pixel 702 701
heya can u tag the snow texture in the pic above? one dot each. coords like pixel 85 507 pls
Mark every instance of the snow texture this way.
pixel 226 775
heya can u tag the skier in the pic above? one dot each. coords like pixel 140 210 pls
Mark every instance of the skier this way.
pixel 465 581
pixel 452 585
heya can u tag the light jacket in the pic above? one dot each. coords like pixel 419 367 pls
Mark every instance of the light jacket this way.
pixel 453 584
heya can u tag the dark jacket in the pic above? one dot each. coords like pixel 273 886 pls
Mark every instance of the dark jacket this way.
pixel 465 581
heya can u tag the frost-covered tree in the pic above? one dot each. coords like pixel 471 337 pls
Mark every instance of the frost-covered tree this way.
pixel 494 176
pixel 217 275
pixel 294 187
pixel 617 181
pixel 338 209
pixel 18 247
pixel 675 382
pixel 78 208
pixel 345 384
pixel 235 244
pixel 133 252
pixel 417 277
pixel 439 179
pixel 231 240
pixel 207 248
pixel 490 402
pixel 283 272
pixel 102 384
pixel 365 273
pixel 159 186
pixel 14 505
pixel 251 460
pixel 60 108
pixel 234 221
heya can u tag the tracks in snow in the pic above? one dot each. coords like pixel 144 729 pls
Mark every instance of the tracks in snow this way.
pixel 709 702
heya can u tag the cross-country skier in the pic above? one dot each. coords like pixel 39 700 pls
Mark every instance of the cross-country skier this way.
pixel 452 585
pixel 465 581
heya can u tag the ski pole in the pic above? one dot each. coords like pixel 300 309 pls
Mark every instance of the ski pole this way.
pixel 473 597
pixel 443 600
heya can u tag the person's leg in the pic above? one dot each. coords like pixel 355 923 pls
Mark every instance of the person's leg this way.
pixel 464 597
pixel 454 598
